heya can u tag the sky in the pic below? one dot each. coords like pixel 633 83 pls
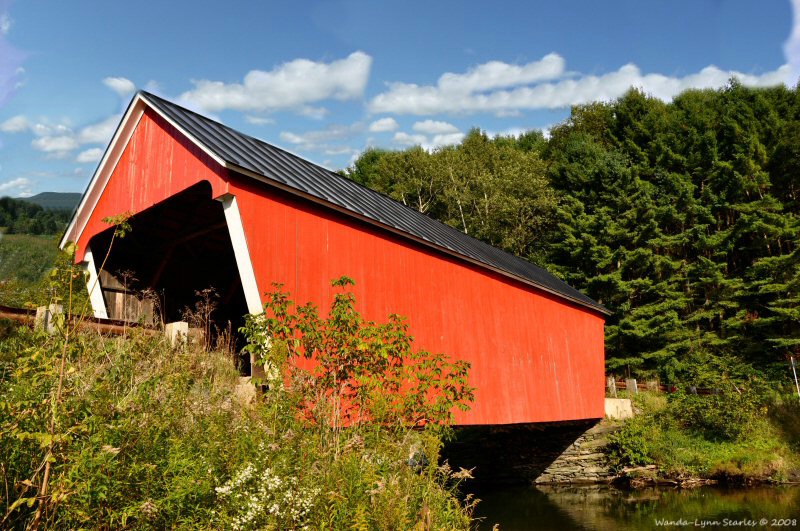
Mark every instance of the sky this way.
pixel 328 79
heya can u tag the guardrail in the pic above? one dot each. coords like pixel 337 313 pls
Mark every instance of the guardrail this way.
pixel 631 385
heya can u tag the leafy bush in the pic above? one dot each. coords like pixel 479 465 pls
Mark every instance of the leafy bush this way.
pixel 344 369
pixel 141 435
pixel 730 436
pixel 726 416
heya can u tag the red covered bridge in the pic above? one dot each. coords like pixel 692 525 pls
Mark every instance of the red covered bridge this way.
pixel 214 207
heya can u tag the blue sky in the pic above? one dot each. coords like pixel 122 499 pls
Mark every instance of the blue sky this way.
pixel 327 79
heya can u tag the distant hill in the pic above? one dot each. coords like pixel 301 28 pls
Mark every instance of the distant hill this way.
pixel 55 200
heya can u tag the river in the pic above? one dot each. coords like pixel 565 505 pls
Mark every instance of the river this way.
pixel 607 508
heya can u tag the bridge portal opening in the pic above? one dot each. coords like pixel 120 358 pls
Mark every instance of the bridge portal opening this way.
pixel 176 263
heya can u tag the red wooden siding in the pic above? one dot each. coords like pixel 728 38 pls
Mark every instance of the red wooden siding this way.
pixel 535 357
pixel 157 163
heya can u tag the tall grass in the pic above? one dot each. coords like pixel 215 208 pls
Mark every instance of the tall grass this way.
pixel 151 437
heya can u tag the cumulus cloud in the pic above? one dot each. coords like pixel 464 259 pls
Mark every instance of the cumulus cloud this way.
pixel 329 141
pixel 384 125
pixel 20 186
pixel 290 86
pixel 405 139
pixel 504 89
pixel 89 155
pixel 55 145
pixel 429 134
pixel 448 139
pixel 16 124
pixel 433 127
pixel 101 132
pixel 59 140
pixel 497 74
pixel 122 86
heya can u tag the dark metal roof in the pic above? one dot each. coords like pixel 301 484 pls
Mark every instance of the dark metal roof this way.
pixel 244 152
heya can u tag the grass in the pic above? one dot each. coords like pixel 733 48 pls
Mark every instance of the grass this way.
pixel 25 257
pixel 148 436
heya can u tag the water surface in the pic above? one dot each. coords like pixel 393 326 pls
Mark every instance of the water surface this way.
pixel 607 508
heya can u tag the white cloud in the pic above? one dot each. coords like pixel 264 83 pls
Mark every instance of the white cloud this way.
pixel 384 125
pixel 20 186
pixel 511 131
pixel 497 74
pixel 16 124
pixel 290 86
pixel 329 141
pixel 59 140
pixel 100 132
pixel 505 90
pixel 46 129
pixel 791 48
pixel 258 120
pixel 5 24
pixel 121 85
pixel 90 155
pixel 343 150
pixel 445 140
pixel 428 142
pixel 55 145
pixel 433 127
pixel 405 139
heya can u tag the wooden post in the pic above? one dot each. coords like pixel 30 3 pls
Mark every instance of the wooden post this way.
pixel 611 386
pixel 47 316
pixel 630 385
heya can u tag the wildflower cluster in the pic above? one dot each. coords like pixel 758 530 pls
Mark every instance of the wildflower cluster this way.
pixel 257 496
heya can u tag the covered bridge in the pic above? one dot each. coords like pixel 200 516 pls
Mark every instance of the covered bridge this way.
pixel 213 207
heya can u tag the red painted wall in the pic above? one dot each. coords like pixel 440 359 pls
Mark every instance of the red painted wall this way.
pixel 535 358
pixel 156 164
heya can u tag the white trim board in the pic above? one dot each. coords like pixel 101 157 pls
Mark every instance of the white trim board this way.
pixel 93 287
pixel 239 241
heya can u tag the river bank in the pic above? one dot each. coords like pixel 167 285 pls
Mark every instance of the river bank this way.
pixel 749 438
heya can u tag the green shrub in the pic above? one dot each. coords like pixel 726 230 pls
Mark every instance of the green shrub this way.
pixel 147 436
pixel 726 416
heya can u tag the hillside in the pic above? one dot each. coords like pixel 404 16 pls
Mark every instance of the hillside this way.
pixel 55 200
pixel 19 216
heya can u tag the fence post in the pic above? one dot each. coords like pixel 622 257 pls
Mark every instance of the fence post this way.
pixel 611 386
pixel 630 385
pixel 46 317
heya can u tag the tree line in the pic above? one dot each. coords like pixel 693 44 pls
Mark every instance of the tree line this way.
pixel 22 217
pixel 682 218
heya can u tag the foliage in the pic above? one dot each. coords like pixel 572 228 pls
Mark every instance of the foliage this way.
pixel 30 267
pixel 742 437
pixel 344 369
pixel 493 189
pixel 23 217
pixel 725 416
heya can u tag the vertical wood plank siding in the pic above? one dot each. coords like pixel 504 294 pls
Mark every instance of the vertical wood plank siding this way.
pixel 535 357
